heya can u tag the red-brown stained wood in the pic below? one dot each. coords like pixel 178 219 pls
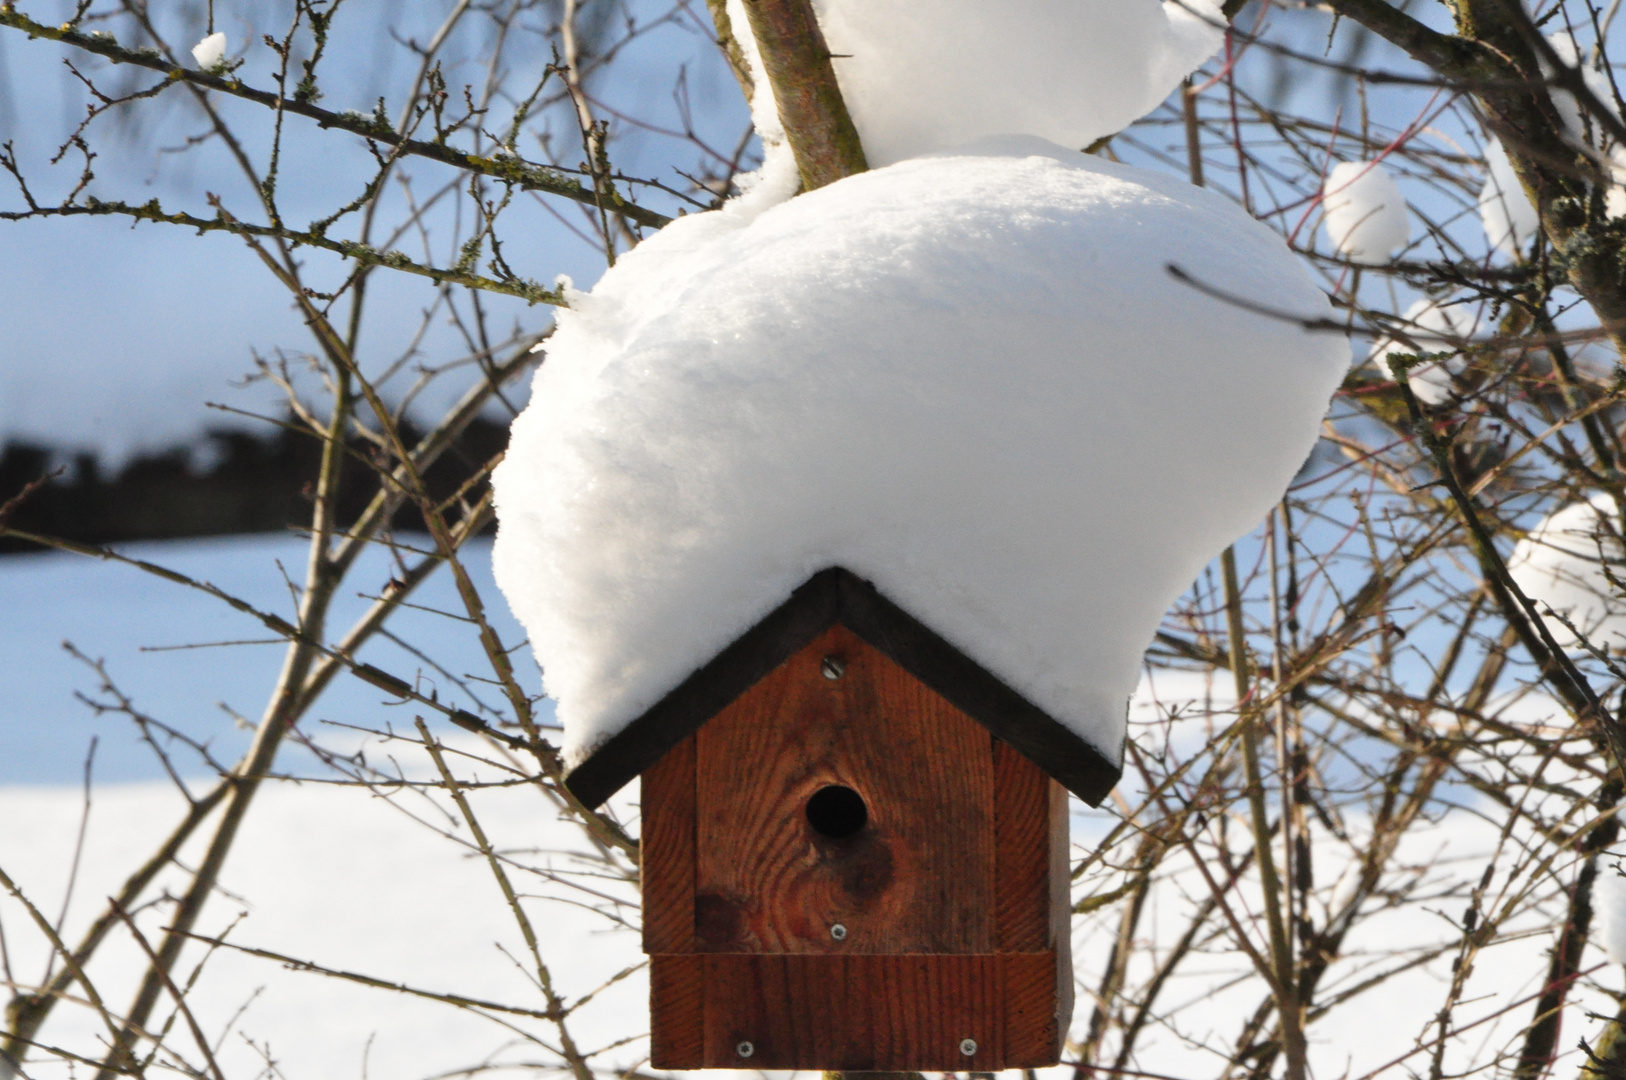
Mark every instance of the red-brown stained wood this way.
pixel 1022 852
pixel 854 1013
pixel 677 1012
pixel 919 878
pixel 1033 1027
pixel 666 852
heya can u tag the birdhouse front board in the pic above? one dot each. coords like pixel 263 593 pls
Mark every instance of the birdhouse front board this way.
pixel 843 869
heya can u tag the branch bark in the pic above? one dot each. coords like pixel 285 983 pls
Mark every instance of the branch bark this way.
pixel 796 63
pixel 510 170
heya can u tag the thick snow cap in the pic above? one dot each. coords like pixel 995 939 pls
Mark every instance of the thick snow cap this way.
pixel 926 75
pixel 968 378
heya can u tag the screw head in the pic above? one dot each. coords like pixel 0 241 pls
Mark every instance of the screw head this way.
pixel 839 932
pixel 745 1048
pixel 968 1047
pixel 833 667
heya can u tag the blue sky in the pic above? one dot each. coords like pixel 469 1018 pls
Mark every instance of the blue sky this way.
pixel 115 338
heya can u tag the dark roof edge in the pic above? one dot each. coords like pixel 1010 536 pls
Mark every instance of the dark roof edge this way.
pixel 971 688
pixel 830 596
pixel 709 690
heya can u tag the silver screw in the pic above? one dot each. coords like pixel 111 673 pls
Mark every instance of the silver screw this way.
pixel 833 667
pixel 745 1048
pixel 839 932
pixel 968 1047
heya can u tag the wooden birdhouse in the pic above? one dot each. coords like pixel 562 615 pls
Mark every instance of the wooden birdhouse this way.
pixel 854 849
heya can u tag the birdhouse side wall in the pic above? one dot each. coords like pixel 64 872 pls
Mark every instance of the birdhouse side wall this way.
pixel 1034 908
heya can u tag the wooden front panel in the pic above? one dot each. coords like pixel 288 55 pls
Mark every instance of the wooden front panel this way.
pixel 1033 900
pixel 677 995
pixel 666 851
pixel 918 878
pixel 855 1013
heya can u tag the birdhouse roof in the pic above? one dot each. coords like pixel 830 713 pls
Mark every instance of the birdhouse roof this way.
pixel 830 597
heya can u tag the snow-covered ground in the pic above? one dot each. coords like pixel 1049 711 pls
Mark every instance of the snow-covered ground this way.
pixel 328 874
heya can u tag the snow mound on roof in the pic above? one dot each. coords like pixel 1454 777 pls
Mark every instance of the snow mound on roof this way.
pixel 968 378
pixel 926 75
pixel 1565 563
pixel 1366 214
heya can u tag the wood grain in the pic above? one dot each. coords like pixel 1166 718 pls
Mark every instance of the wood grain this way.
pixel 666 851
pixel 676 1012
pixel 854 1013
pixel 1022 852
pixel 1034 1024
pixel 917 879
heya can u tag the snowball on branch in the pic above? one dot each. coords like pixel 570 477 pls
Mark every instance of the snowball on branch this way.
pixel 1434 326
pixel 1566 563
pixel 969 378
pixel 1365 212
pixel 210 53
pixel 1609 901
pixel 1506 212
pixel 1509 217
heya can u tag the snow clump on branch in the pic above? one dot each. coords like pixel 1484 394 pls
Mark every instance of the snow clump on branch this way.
pixel 1366 214
pixel 1566 563
pixel 920 76
pixel 1609 900
pixel 1432 326
pixel 210 53
pixel 777 179
pixel 1509 217
pixel 1506 212
pixel 970 378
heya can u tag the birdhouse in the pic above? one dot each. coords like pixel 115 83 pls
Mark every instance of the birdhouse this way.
pixel 854 849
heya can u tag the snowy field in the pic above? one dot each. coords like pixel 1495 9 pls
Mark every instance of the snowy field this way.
pixel 390 887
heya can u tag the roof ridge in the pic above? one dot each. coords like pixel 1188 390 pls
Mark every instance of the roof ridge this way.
pixel 837 595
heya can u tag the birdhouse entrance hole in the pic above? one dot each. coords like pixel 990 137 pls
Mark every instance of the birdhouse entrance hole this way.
pixel 837 811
